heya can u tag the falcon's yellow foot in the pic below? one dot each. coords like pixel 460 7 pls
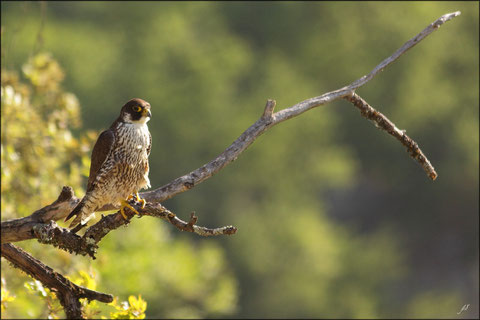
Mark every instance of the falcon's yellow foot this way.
pixel 142 201
pixel 126 204
pixel 138 199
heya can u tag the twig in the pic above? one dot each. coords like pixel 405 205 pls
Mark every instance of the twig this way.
pixel 157 210
pixel 382 122
pixel 268 112
pixel 67 292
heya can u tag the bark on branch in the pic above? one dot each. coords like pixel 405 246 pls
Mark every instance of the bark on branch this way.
pixel 382 122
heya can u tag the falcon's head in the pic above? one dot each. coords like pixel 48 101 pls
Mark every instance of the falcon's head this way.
pixel 136 111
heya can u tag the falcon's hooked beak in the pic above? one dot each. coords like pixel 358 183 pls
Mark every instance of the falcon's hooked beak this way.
pixel 146 113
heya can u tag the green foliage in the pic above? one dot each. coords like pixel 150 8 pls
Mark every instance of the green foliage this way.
pixel 38 148
pixel 334 218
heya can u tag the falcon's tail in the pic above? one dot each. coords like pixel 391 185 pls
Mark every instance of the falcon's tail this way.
pixel 77 210
pixel 84 211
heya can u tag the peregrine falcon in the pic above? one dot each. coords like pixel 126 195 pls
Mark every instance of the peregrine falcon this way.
pixel 119 166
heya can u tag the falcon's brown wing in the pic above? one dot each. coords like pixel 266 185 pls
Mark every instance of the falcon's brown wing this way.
pixel 101 150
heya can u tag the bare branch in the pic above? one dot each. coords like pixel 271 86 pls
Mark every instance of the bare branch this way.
pixel 67 292
pixel 382 122
pixel 201 174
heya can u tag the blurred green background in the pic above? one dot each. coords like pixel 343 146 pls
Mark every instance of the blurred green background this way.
pixel 335 219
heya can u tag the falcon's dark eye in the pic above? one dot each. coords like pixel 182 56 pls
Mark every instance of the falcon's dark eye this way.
pixel 136 108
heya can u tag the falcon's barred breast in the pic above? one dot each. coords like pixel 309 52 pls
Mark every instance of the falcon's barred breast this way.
pixel 119 166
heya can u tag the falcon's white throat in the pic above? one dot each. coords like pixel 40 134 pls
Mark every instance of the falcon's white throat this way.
pixel 143 120
pixel 140 126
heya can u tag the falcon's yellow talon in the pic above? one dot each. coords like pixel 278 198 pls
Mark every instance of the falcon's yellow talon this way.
pixel 122 209
pixel 142 201
pixel 122 212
